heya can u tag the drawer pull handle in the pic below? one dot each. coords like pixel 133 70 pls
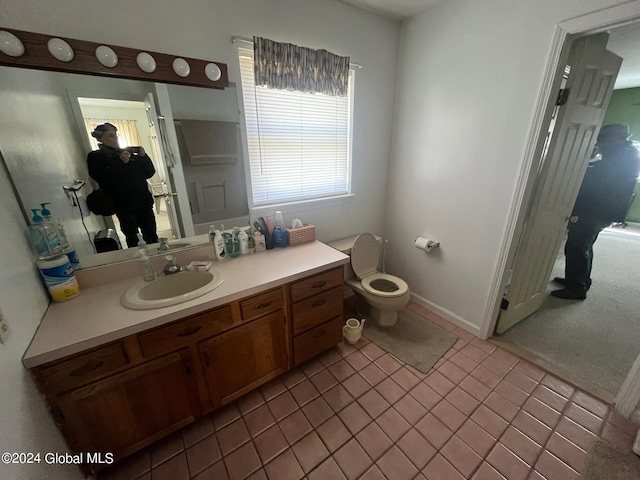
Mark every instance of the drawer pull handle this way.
pixel 86 368
pixel 319 284
pixel 319 303
pixel 319 334
pixel 189 331
pixel 264 304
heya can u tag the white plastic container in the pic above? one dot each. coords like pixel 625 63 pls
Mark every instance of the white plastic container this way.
pixel 244 242
pixel 59 278
pixel 218 244
pixel 72 255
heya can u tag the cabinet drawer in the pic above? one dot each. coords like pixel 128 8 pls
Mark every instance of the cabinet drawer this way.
pixel 316 310
pixel 317 340
pixel 316 284
pixel 84 368
pixel 258 305
pixel 168 337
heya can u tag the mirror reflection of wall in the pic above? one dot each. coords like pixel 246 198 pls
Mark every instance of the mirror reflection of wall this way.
pixel 44 143
pixel 130 118
pixel 211 155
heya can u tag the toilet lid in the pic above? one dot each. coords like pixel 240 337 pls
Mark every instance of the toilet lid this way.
pixel 365 254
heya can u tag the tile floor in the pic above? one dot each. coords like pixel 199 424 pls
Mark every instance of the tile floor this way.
pixel 355 412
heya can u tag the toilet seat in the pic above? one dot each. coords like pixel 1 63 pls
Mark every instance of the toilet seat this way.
pixel 383 285
pixel 365 254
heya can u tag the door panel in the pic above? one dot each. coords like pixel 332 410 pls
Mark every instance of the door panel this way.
pixel 593 74
pixel 163 173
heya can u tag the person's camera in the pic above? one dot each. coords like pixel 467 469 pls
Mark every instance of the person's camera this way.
pixel 133 150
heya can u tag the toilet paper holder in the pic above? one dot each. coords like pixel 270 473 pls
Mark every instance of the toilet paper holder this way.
pixel 426 244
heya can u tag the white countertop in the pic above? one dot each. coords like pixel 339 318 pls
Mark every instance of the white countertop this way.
pixel 97 317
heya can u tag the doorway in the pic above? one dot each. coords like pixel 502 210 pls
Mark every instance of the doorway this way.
pixel 586 25
pixel 131 120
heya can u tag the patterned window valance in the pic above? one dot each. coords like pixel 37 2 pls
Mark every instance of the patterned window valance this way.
pixel 289 67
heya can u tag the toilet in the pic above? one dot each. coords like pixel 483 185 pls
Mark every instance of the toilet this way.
pixel 386 294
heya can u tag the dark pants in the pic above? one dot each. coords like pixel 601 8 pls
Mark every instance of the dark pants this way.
pixel 578 251
pixel 144 219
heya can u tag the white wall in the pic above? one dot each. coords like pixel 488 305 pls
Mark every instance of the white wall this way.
pixel 26 423
pixel 469 78
pixel 199 29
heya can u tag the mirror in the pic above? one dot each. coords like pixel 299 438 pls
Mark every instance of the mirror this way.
pixel 193 137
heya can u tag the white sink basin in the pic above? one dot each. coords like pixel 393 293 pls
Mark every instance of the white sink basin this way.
pixel 171 289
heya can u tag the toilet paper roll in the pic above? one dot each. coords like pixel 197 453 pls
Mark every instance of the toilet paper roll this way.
pixel 422 243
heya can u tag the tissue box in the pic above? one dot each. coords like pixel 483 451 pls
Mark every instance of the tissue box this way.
pixel 304 234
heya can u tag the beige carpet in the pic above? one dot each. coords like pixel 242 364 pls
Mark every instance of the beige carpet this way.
pixel 607 463
pixel 591 343
pixel 413 340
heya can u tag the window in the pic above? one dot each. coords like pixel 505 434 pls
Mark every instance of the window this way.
pixel 299 143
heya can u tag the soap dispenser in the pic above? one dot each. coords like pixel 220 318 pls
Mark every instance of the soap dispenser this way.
pixel 147 271
pixel 142 245
pixel 68 249
pixel 56 222
pixel 43 236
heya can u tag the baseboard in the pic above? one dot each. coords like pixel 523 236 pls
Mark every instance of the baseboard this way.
pixel 447 315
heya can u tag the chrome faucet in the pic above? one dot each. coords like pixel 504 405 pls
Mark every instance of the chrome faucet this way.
pixel 171 267
pixel 163 244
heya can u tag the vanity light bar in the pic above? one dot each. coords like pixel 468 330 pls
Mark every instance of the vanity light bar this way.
pixel 48 52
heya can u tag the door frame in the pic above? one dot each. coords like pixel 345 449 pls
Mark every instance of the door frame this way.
pixel 563 37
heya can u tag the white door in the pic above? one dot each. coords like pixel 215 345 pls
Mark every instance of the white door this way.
pixel 163 170
pixel 590 83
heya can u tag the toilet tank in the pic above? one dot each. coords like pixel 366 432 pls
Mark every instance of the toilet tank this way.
pixel 344 245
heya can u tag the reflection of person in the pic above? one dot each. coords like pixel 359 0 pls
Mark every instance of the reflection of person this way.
pixel 124 174
pixel 602 200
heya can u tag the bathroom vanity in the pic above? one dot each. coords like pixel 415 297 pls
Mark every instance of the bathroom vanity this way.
pixel 117 380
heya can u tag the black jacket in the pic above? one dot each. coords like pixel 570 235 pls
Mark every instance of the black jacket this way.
pixel 126 182
pixel 608 185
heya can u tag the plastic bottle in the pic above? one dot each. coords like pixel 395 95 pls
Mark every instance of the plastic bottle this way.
pixel 218 243
pixel 147 271
pixel 232 242
pixel 59 278
pixel 244 242
pixel 142 245
pixel 259 241
pixel 212 234
pixel 44 237
pixel 56 222
pixel 279 233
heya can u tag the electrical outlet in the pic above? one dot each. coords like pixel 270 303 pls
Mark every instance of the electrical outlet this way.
pixel 5 331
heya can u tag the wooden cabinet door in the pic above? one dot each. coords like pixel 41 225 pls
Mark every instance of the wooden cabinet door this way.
pixel 245 357
pixel 127 411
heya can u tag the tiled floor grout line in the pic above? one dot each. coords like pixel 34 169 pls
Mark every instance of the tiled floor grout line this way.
pixel 394 443
pixel 325 361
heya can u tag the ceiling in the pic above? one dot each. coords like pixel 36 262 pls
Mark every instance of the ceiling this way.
pixel 623 41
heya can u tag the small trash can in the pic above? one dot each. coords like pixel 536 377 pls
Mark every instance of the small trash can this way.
pixel 106 241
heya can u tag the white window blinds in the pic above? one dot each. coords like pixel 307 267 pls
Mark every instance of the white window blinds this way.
pixel 299 143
